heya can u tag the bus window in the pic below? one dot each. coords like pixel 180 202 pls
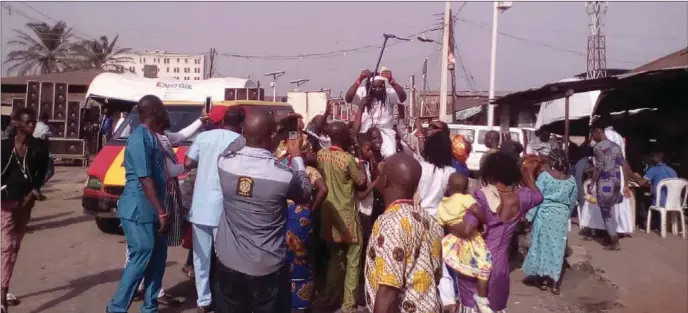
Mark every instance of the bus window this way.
pixel 469 134
pixel 481 136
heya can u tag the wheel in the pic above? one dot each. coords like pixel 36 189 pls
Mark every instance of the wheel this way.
pixel 108 225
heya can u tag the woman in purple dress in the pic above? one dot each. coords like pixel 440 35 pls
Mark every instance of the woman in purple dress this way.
pixel 502 204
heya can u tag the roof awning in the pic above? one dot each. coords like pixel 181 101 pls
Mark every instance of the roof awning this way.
pixel 468 113
pixel 556 90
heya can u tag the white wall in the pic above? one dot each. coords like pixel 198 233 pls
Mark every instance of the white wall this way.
pixel 170 65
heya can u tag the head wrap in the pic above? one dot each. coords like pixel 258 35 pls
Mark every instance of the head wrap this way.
pixel 460 148
pixel 558 160
pixel 379 77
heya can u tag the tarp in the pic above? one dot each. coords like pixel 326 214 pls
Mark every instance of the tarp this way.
pixel 581 105
pixel 129 87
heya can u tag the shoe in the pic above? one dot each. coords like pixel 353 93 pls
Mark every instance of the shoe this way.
pixel 483 304
pixel 168 300
pixel 203 309
pixel 12 300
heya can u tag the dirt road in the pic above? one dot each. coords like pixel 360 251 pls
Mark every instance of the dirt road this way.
pixel 66 265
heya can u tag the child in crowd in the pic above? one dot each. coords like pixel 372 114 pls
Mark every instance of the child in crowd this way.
pixel 365 198
pixel 468 256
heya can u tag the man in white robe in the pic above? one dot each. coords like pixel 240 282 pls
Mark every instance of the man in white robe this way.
pixel 622 212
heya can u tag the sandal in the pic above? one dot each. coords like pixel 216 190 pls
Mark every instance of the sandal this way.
pixel 612 247
pixel 12 300
pixel 189 272
pixel 168 301
pixel 542 284
pixel 556 291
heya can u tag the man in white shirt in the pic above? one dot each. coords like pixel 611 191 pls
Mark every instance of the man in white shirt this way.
pixel 42 130
pixel 387 98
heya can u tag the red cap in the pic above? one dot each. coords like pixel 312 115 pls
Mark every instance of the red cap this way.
pixel 217 113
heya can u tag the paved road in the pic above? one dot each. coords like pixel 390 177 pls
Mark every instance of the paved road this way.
pixel 66 265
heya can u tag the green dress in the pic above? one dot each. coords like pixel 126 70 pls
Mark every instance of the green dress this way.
pixel 550 226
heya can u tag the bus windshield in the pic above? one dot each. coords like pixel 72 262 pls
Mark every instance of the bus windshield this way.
pixel 180 117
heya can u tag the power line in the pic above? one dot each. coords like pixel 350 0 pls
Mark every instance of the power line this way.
pixel 546 45
pixel 328 54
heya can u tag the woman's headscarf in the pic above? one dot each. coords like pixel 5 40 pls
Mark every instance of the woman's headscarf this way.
pixel 460 148
pixel 557 160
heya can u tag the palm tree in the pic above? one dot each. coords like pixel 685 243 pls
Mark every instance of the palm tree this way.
pixel 99 53
pixel 47 51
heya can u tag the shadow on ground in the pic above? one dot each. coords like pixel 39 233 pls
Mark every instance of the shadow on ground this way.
pixel 77 287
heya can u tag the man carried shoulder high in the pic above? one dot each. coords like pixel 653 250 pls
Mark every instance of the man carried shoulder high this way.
pixel 385 98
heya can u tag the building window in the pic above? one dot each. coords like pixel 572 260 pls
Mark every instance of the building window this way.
pixel 144 60
pixel 177 60
pixel 197 70
pixel 176 70
pixel 168 69
pixel 186 61
pixel 197 78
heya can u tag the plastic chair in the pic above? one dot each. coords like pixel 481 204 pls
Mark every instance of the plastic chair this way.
pixel 676 196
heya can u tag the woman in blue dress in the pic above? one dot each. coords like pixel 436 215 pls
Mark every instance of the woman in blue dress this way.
pixel 545 257
pixel 300 228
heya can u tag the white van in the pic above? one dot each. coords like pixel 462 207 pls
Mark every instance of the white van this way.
pixel 476 135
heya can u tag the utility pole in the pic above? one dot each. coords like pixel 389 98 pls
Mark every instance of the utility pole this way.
pixel 499 6
pixel 445 63
pixel 423 107
pixel 211 69
pixel 452 65
pixel 412 102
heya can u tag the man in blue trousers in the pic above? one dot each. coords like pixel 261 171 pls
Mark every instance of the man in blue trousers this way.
pixel 141 210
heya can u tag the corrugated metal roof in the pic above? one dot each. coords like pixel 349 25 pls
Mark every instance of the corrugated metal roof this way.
pixel 83 78
pixel 678 58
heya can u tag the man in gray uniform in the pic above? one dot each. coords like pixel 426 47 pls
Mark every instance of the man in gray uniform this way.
pixel 251 275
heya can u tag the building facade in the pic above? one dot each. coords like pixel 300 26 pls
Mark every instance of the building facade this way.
pixel 163 64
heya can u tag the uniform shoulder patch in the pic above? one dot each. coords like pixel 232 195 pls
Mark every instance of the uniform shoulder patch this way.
pixel 245 187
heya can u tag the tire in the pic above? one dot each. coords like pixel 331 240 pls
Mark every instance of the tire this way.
pixel 108 225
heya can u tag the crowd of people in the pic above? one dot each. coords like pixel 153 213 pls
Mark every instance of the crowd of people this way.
pixel 370 215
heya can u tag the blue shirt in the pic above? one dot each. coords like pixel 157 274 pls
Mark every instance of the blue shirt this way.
pixel 206 204
pixel 655 174
pixel 106 126
pixel 461 168
pixel 143 157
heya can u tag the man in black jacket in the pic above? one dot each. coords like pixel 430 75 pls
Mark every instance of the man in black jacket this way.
pixel 24 165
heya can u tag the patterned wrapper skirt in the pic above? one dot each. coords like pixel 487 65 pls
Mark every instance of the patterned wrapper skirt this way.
pixel 299 230
pixel 173 204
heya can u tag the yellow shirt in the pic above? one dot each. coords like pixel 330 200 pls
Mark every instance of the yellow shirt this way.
pixel 453 208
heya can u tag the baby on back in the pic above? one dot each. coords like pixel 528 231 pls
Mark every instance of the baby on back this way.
pixel 469 255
